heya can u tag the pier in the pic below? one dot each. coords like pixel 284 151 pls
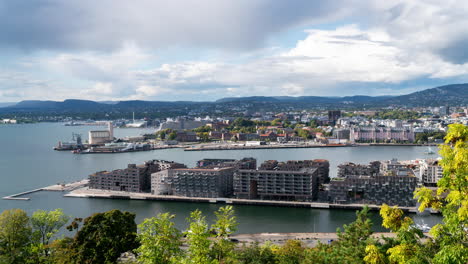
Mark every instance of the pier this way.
pixel 276 146
pixel 107 194
pixel 52 188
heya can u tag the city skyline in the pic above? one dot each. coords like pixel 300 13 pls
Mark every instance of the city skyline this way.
pixel 203 51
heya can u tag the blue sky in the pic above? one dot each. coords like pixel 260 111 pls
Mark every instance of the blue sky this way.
pixel 206 50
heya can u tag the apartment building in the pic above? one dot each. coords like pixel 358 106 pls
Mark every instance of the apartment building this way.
pixel 301 184
pixel 134 178
pixel 194 182
pixel 391 190
pixel 322 165
pixel 430 172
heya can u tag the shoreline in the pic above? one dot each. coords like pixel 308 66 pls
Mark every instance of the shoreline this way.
pixel 85 192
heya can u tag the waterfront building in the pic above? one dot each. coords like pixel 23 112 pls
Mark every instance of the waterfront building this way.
pixel 186 136
pixel 322 165
pixel 101 136
pixel 300 185
pixel 349 168
pixel 341 133
pixel 243 164
pixel 134 178
pixel 430 172
pixel 391 190
pixel 194 182
pixel 381 134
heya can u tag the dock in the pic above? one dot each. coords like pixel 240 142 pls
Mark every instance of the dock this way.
pixel 52 188
pixel 107 194
pixel 278 146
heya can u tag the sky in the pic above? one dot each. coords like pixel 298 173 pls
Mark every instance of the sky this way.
pixel 203 50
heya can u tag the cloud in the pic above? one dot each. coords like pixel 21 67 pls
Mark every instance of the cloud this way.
pixel 108 24
pixel 94 52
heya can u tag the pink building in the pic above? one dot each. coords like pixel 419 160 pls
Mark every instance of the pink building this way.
pixel 381 134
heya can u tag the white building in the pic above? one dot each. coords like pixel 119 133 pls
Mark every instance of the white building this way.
pixel 101 136
pixel 430 172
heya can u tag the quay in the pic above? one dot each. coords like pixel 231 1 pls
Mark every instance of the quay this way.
pixel 276 146
pixel 85 192
pixel 56 187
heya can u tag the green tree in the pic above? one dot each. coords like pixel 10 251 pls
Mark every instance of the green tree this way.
pixel 15 236
pixel 255 254
pixel 104 237
pixel 451 198
pixel 199 244
pixel 225 225
pixel 172 135
pixel 46 224
pixel 160 241
pixel 292 252
pixel 350 246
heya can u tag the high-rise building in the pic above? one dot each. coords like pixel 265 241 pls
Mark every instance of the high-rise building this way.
pixel 333 116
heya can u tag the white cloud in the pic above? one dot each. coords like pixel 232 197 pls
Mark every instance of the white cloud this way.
pixel 386 43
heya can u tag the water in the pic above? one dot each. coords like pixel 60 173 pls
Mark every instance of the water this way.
pixel 27 162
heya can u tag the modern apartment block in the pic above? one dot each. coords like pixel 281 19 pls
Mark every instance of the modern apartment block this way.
pixel 298 183
pixel 349 168
pixel 195 182
pixel 134 178
pixel 430 172
pixel 392 190
pixel 243 164
pixel 322 165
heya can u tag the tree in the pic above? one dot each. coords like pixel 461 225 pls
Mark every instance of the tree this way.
pixel 451 198
pixel 104 237
pixel 160 241
pixel 292 252
pixel 46 224
pixel 199 244
pixel 255 254
pixel 15 236
pixel 225 225
pixel 172 135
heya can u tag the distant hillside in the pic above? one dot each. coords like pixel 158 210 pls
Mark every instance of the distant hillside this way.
pixel 450 95
pixel 454 94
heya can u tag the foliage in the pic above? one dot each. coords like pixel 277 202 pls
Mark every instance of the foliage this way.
pixel 451 198
pixel 255 254
pixel 104 237
pixel 47 224
pixel 202 129
pixel 199 244
pixel 159 240
pixel 225 225
pixel 172 135
pixel 423 137
pixel 397 114
pixel 351 244
pixel 15 233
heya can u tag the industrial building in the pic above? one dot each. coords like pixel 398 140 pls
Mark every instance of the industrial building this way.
pixel 97 137
pixel 195 182
pixel 134 178
pixel 298 183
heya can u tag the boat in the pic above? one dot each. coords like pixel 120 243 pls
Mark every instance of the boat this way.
pixel 430 151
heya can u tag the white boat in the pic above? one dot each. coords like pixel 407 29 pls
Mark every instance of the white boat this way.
pixel 430 151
